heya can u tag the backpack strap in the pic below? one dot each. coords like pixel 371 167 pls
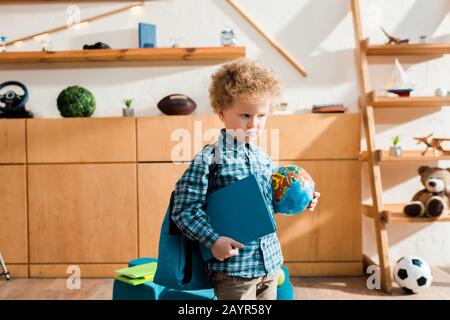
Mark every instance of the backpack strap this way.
pixel 212 169
pixel 173 229
pixel 188 267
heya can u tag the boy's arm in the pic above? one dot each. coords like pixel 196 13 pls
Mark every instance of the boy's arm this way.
pixel 190 197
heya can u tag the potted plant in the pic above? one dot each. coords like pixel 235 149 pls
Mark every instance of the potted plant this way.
pixel 128 111
pixel 395 150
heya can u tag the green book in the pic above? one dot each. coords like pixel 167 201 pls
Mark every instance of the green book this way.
pixel 140 271
pixel 134 282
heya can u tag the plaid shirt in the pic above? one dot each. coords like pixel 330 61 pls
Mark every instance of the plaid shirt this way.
pixel 235 160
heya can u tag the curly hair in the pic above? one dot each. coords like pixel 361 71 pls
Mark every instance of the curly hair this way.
pixel 245 79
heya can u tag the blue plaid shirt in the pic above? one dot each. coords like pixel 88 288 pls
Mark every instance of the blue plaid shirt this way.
pixel 235 160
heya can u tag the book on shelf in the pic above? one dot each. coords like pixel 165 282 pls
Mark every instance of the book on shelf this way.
pixel 329 108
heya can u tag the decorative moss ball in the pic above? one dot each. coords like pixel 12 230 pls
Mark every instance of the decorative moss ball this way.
pixel 75 101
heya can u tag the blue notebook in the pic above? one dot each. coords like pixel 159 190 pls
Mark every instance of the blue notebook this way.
pixel 147 35
pixel 239 211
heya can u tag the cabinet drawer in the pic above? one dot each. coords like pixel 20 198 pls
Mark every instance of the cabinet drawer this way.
pixel 83 213
pixel 12 141
pixel 81 140
pixel 333 231
pixel 13 214
pixel 160 137
pixel 156 182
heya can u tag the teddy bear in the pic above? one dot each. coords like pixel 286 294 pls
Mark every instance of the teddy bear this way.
pixel 432 201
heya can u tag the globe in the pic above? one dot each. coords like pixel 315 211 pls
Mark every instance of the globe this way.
pixel 293 189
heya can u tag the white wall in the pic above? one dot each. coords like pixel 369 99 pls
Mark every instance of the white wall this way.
pixel 317 33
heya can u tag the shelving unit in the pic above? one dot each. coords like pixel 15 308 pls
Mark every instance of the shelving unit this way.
pixel 380 212
pixel 141 54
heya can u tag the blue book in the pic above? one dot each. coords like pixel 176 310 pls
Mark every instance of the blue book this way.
pixel 147 35
pixel 239 211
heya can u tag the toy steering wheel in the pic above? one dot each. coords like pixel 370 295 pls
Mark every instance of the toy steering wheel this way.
pixel 13 101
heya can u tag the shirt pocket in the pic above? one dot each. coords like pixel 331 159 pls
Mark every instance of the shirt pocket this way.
pixel 228 173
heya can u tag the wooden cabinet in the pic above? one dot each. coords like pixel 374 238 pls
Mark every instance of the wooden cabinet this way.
pixel 175 138
pixel 313 136
pixel 13 214
pixel 156 181
pixel 332 233
pixel 81 140
pixel 327 242
pixel 82 213
pixel 93 192
pixel 12 141
pixel 13 196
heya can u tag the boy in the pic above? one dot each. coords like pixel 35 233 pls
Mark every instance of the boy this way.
pixel 242 93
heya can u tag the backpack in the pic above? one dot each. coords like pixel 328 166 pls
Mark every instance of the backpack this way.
pixel 180 263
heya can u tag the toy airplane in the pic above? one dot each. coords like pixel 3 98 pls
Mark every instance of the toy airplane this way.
pixel 434 144
pixel 392 39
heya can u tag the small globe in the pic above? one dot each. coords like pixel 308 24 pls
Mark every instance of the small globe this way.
pixel 293 189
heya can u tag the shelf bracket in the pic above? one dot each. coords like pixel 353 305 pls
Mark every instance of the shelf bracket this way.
pixel 277 47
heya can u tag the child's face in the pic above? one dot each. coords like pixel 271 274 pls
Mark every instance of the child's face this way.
pixel 247 118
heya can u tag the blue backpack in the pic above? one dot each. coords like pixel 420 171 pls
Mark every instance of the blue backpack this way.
pixel 180 263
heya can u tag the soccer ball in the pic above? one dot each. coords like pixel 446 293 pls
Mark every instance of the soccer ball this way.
pixel 412 274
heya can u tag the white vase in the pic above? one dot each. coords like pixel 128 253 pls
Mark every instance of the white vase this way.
pixel 395 151
pixel 440 92
pixel 128 112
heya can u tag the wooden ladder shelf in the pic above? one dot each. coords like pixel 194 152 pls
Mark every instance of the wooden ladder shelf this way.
pixel 380 212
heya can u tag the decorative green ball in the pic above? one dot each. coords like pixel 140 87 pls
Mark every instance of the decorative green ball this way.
pixel 75 101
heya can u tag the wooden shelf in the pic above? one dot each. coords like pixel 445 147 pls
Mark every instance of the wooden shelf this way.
pixel 408 49
pixel 407 155
pixel 137 54
pixel 407 102
pixel 393 213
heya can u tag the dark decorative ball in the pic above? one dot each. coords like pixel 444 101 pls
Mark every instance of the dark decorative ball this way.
pixel 177 104
pixel 75 101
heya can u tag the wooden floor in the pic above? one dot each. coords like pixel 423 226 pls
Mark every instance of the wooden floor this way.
pixel 316 288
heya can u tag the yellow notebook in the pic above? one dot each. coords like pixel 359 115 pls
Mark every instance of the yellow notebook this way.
pixel 139 271
pixel 134 281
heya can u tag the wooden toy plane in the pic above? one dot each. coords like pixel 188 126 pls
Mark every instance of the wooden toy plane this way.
pixel 434 143
pixel 392 39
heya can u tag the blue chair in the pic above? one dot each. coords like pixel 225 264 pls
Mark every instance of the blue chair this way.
pixel 286 290
pixel 152 291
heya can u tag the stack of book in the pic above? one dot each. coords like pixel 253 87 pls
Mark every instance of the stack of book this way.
pixel 329 108
pixel 138 274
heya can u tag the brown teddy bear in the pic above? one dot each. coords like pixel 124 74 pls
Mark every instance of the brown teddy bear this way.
pixel 432 201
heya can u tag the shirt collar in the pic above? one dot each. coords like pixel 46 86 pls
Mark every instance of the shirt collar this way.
pixel 232 142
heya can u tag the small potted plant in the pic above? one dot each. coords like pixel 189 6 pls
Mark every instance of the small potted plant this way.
pixel 128 111
pixel 395 150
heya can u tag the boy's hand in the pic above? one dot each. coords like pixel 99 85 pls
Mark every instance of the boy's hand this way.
pixel 224 247
pixel 314 201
